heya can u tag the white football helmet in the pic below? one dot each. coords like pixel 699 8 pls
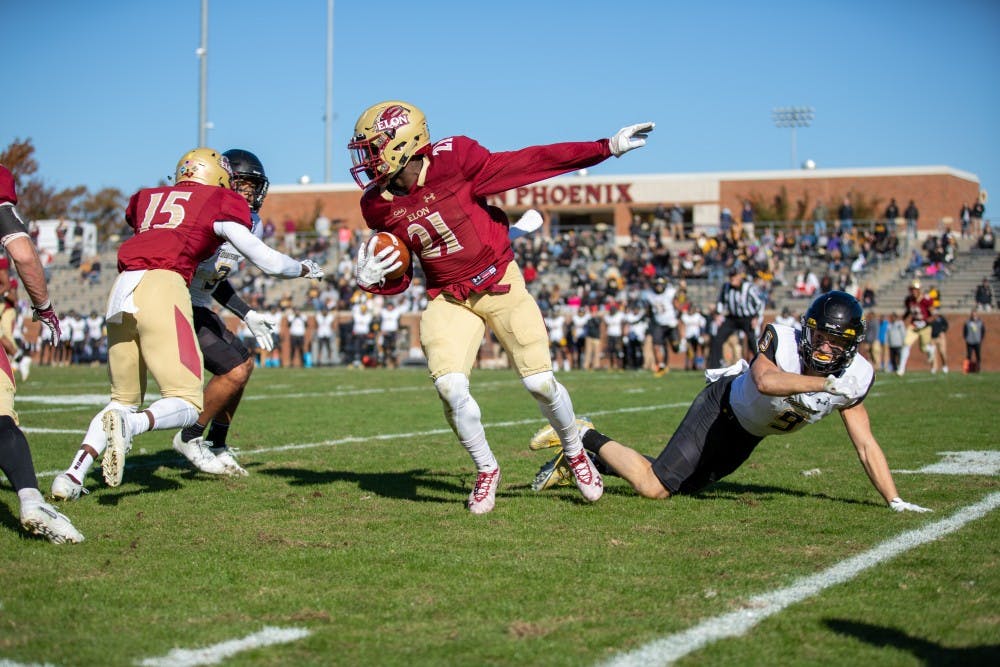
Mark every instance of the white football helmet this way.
pixel 386 136
pixel 204 165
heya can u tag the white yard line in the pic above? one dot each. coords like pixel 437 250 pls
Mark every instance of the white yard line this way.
pixel 758 608
pixel 213 655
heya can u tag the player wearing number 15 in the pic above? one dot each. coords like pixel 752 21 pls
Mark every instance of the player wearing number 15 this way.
pixel 149 316
pixel 796 378
pixel 433 197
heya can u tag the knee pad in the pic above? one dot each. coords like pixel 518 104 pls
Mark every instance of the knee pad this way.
pixel 543 386
pixel 453 389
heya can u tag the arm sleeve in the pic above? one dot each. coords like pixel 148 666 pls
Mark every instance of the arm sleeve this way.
pixel 227 296
pixel 259 253
pixel 499 172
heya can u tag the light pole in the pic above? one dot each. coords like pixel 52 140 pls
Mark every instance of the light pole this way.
pixel 202 53
pixel 792 117
pixel 328 117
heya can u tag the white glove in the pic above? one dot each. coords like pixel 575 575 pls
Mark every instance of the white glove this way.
pixel 842 386
pixel 313 270
pixel 261 329
pixel 372 269
pixel 627 138
pixel 900 505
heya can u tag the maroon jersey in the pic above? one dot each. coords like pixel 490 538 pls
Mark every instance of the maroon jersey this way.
pixel 7 193
pixel 444 220
pixel 174 226
pixel 917 310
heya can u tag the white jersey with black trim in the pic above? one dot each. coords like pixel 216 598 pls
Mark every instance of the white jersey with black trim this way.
pixel 219 267
pixel 763 415
pixel 662 306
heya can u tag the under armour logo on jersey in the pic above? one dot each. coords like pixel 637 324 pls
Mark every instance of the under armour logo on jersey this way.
pixel 429 197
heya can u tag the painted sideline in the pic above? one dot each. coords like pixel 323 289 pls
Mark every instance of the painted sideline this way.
pixel 758 608
pixel 213 655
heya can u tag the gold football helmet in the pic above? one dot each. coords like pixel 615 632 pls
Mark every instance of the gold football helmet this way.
pixel 204 165
pixel 386 136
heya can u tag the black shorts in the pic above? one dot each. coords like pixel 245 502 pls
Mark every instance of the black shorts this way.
pixel 663 335
pixel 708 445
pixel 221 349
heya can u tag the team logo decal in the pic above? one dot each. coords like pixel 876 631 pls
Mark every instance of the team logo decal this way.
pixel 766 340
pixel 392 118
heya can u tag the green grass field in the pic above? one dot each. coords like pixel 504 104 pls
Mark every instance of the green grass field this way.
pixel 351 543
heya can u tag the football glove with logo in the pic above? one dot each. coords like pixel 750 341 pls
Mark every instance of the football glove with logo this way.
pixel 843 386
pixel 261 330
pixel 371 268
pixel 47 316
pixel 631 137
pixel 312 269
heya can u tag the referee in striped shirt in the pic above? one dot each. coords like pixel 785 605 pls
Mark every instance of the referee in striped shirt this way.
pixel 740 303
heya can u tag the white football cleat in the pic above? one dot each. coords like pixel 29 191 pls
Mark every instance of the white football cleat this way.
pixel 64 488
pixel 588 480
pixel 197 452
pixel 484 493
pixel 226 455
pixel 119 436
pixel 43 519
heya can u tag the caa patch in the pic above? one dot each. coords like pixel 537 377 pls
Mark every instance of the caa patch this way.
pixel 766 340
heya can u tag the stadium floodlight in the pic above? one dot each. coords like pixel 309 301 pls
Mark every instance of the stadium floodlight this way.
pixel 793 117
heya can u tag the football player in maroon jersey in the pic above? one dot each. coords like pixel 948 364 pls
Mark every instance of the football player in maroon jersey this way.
pixel 149 316
pixel 433 197
pixel 37 516
pixel 917 315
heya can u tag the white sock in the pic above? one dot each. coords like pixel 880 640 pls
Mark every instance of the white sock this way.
pixel 465 418
pixel 169 413
pixel 557 408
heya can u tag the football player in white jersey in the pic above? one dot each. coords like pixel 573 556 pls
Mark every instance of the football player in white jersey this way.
pixel 795 379
pixel 662 300
pixel 226 357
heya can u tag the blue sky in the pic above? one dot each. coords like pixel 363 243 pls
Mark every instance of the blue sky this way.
pixel 108 91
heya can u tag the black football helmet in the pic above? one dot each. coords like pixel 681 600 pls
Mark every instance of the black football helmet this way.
pixel 835 318
pixel 247 168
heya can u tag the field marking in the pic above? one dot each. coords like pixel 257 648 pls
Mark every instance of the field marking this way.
pixel 961 463
pixel 758 608
pixel 399 436
pixel 213 655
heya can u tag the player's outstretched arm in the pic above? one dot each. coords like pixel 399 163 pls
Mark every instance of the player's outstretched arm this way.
pixel 873 458
pixel 264 257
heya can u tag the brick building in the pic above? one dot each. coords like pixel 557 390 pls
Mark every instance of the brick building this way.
pixel 580 201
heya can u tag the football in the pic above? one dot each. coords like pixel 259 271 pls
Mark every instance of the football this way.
pixel 385 239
